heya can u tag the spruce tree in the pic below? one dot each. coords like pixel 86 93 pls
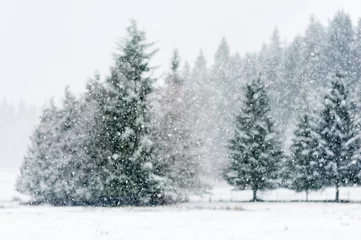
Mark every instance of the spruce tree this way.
pixel 221 101
pixel 338 51
pixel 270 60
pixel 38 173
pixel 133 169
pixel 69 187
pixel 254 150
pixel 202 96
pixel 303 165
pixel 338 141
pixel 181 147
pixel 313 66
pixel 292 65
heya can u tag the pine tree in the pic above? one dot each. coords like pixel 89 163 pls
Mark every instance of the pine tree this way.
pixel 270 61
pixel 303 167
pixel 91 123
pixel 221 101
pixel 202 110
pixel 292 65
pixel 37 173
pixel 181 147
pixel 70 187
pixel 340 56
pixel 338 142
pixel 314 68
pixel 133 169
pixel 250 67
pixel 255 153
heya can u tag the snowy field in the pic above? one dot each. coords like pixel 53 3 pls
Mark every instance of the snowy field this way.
pixel 185 222
pixel 195 220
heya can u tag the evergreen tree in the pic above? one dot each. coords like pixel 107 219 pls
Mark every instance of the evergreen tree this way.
pixel 303 167
pixel 340 56
pixel 338 141
pixel 91 123
pixel 74 180
pixel 292 65
pixel 270 61
pixel 255 153
pixel 221 101
pixel 131 163
pixel 250 67
pixel 53 168
pixel 202 110
pixel 181 147
pixel 314 68
pixel 37 173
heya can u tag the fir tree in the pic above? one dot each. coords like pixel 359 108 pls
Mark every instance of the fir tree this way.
pixel 303 168
pixel 338 142
pixel 270 59
pixel 181 147
pixel 339 52
pixel 130 162
pixel 292 65
pixel 255 153
pixel 37 173
pixel 221 101
pixel 202 96
pixel 313 66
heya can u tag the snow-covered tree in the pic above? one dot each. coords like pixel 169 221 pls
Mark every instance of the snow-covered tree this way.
pixel 270 61
pixel 221 101
pixel 338 50
pixel 202 110
pixel 181 147
pixel 290 80
pixel 37 173
pixel 55 161
pixel 314 67
pixel 303 166
pixel 254 150
pixel 338 141
pixel 130 160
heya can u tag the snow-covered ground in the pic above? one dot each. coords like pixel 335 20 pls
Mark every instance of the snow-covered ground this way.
pixel 241 221
pixel 195 220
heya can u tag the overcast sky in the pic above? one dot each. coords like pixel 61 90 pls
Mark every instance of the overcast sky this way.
pixel 45 44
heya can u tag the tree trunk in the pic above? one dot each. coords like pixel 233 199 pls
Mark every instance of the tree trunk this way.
pixel 254 196
pixel 306 195
pixel 337 192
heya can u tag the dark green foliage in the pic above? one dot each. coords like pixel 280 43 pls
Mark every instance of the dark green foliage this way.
pixel 303 167
pixel 99 150
pixel 129 157
pixel 338 141
pixel 254 151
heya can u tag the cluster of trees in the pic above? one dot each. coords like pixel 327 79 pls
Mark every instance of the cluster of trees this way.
pixel 325 150
pixel 105 148
pixel 127 140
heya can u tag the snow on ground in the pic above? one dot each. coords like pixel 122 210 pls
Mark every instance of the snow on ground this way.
pixel 224 192
pixel 256 221
pixel 190 221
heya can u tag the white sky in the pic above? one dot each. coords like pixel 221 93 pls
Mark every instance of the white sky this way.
pixel 45 45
